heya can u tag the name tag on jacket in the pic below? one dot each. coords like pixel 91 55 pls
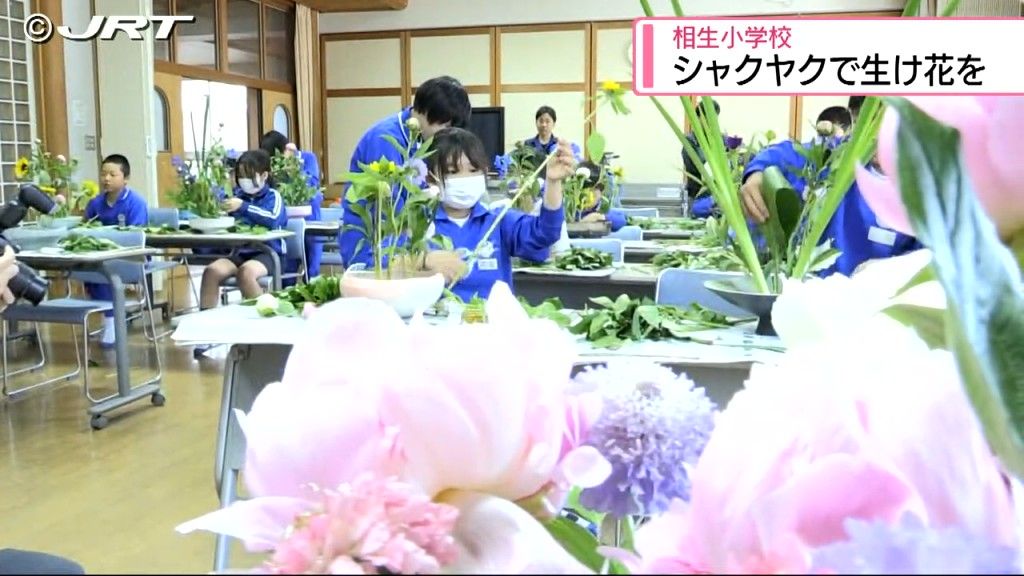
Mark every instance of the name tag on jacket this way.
pixel 882 236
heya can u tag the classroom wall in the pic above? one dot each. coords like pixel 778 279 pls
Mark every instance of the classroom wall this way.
pixel 126 99
pixel 80 82
pixel 370 74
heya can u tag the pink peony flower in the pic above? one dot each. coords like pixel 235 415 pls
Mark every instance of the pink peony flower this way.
pixel 820 439
pixel 428 405
pixel 369 524
pixel 991 153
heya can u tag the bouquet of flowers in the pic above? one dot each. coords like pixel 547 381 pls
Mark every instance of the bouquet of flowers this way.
pixel 290 180
pixel 54 175
pixel 205 180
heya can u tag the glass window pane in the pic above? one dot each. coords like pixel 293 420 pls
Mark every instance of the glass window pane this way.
pixel 21 92
pixel 6 111
pixel 21 113
pixel 160 120
pixel 19 51
pixel 244 37
pixel 6 91
pixel 20 72
pixel 5 29
pixel 24 132
pixel 4 8
pixel 18 10
pixel 17 30
pixel 281 119
pixel 278 46
pixel 7 132
pixel 196 42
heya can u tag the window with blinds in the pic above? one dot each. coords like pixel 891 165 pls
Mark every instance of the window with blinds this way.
pixel 17 103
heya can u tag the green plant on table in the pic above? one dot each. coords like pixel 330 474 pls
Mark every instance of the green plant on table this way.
pixel 394 207
pixel 583 259
pixel 719 178
pixel 206 179
pixel 720 259
pixel 614 323
pixel 79 243
pixel 290 180
pixel 290 301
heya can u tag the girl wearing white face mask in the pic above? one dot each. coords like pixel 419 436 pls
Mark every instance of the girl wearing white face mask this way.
pixel 457 168
pixel 255 203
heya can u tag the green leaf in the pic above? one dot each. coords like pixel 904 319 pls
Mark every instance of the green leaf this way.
pixel 983 287
pixel 611 341
pixel 595 147
pixel 950 8
pixel 576 540
pixel 929 323
pixel 784 209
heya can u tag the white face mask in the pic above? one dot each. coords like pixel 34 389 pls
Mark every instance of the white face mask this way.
pixel 249 185
pixel 463 192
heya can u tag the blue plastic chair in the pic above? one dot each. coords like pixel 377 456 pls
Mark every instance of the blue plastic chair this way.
pixel 171 218
pixel 681 287
pixel 612 246
pixel 640 212
pixel 628 233
pixel 331 255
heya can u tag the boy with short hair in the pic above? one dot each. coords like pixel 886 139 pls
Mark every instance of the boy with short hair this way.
pixel 116 205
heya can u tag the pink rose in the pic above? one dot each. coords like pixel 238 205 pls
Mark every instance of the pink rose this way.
pixel 991 150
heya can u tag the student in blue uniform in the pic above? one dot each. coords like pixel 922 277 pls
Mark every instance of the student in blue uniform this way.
pixel 832 125
pixel 545 141
pixel 257 204
pixel 854 229
pixel 118 205
pixel 439 103
pixel 460 163
pixel 617 218
pixel 274 142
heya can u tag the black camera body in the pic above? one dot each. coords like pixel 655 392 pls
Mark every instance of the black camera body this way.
pixel 27 284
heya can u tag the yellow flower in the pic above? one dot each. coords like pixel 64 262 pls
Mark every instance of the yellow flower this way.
pixel 590 199
pixel 375 166
pixel 48 189
pixel 611 87
pixel 90 188
pixel 618 172
pixel 21 168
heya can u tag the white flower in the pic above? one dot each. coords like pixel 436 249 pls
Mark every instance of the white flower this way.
pixel 412 124
pixel 61 158
pixel 583 171
pixel 813 309
pixel 266 305
pixel 433 191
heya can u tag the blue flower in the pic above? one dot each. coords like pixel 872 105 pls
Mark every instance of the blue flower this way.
pixel 232 154
pixel 501 164
pixel 420 178
pixel 652 429
pixel 177 162
pixel 911 548
pixel 733 142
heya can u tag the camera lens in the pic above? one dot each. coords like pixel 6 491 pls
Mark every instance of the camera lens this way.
pixel 28 285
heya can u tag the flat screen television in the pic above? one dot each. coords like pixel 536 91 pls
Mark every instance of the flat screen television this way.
pixel 488 123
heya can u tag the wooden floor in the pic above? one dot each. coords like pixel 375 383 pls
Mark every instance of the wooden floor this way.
pixel 110 499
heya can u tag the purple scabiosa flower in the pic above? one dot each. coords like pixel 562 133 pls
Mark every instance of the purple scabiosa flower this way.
pixel 912 548
pixel 419 168
pixel 652 429
pixel 501 164
pixel 733 142
pixel 232 154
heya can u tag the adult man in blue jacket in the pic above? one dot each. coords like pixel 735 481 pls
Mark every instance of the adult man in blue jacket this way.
pixel 439 103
